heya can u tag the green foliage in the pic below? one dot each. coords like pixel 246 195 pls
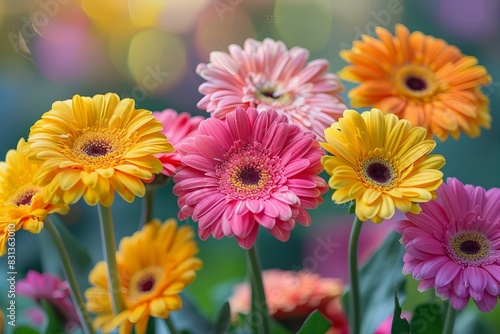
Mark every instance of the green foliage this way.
pixel 315 323
pixel 399 325
pixel 429 317
pixel 382 272
pixel 53 324
pixel 223 319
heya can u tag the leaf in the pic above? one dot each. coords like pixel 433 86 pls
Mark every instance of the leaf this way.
pixel 223 319
pixel 189 319
pixel 53 323
pixel 377 279
pixel 315 323
pixel 429 317
pixel 24 330
pixel 399 325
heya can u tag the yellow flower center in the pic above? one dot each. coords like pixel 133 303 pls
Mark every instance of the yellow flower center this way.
pixel 97 147
pixel 377 172
pixel 144 281
pixel 416 82
pixel 273 94
pixel 469 247
pixel 24 195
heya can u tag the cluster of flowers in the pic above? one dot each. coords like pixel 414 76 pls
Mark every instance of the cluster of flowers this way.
pixel 255 163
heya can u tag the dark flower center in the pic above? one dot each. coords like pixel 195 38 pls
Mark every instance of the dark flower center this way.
pixel 268 93
pixel 146 284
pixel 470 247
pixel 96 148
pixel 249 176
pixel 25 199
pixel 416 83
pixel 378 172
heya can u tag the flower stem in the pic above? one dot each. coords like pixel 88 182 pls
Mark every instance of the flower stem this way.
pixel 355 309
pixel 449 321
pixel 170 326
pixel 259 316
pixel 147 208
pixel 83 315
pixel 109 255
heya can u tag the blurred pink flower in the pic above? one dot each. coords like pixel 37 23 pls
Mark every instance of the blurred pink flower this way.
pixel 176 127
pixel 248 170
pixel 386 326
pixel 453 245
pixel 44 286
pixel 292 296
pixel 266 75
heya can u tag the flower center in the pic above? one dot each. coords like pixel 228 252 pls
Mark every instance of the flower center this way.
pixel 24 195
pixel 416 82
pixel 469 247
pixel 272 94
pixel 97 147
pixel 378 172
pixel 145 280
pixel 249 172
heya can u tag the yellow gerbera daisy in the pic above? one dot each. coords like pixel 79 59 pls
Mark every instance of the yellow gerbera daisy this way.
pixel 92 146
pixel 21 202
pixel 419 78
pixel 382 163
pixel 154 265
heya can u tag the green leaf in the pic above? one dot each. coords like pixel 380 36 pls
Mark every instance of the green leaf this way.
pixel 315 323
pixel 429 317
pixel 223 319
pixel 189 318
pixel 399 325
pixel 24 330
pixel 377 279
pixel 54 323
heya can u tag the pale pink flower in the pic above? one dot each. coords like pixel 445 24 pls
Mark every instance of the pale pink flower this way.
pixel 453 245
pixel 292 296
pixel 44 286
pixel 251 169
pixel 266 75
pixel 176 127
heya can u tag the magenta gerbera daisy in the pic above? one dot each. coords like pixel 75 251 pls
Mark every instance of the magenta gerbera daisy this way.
pixel 266 75
pixel 176 127
pixel 453 245
pixel 251 169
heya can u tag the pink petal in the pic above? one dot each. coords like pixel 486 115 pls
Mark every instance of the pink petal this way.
pixel 254 205
pixel 209 147
pixel 248 241
pixel 447 273
pixel 458 303
pixel 487 303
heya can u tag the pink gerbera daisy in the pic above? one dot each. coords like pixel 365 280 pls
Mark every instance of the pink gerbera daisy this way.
pixel 248 170
pixel 266 75
pixel 176 127
pixel 453 245
pixel 46 287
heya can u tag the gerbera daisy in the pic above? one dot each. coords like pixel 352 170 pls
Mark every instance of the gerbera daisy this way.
pixel 266 75
pixel 419 78
pixel 292 296
pixel 453 245
pixel 151 277
pixel 46 287
pixel 21 202
pixel 248 170
pixel 91 147
pixel 382 163
pixel 176 127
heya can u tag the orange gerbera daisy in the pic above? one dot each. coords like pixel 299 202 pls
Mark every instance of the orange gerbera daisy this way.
pixel 91 147
pixel 419 78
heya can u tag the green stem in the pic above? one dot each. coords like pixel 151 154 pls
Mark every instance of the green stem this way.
pixel 109 255
pixel 355 317
pixel 83 315
pixel 147 207
pixel 449 321
pixel 259 316
pixel 170 326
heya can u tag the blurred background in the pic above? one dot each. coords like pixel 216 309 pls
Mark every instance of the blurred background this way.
pixel 149 49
